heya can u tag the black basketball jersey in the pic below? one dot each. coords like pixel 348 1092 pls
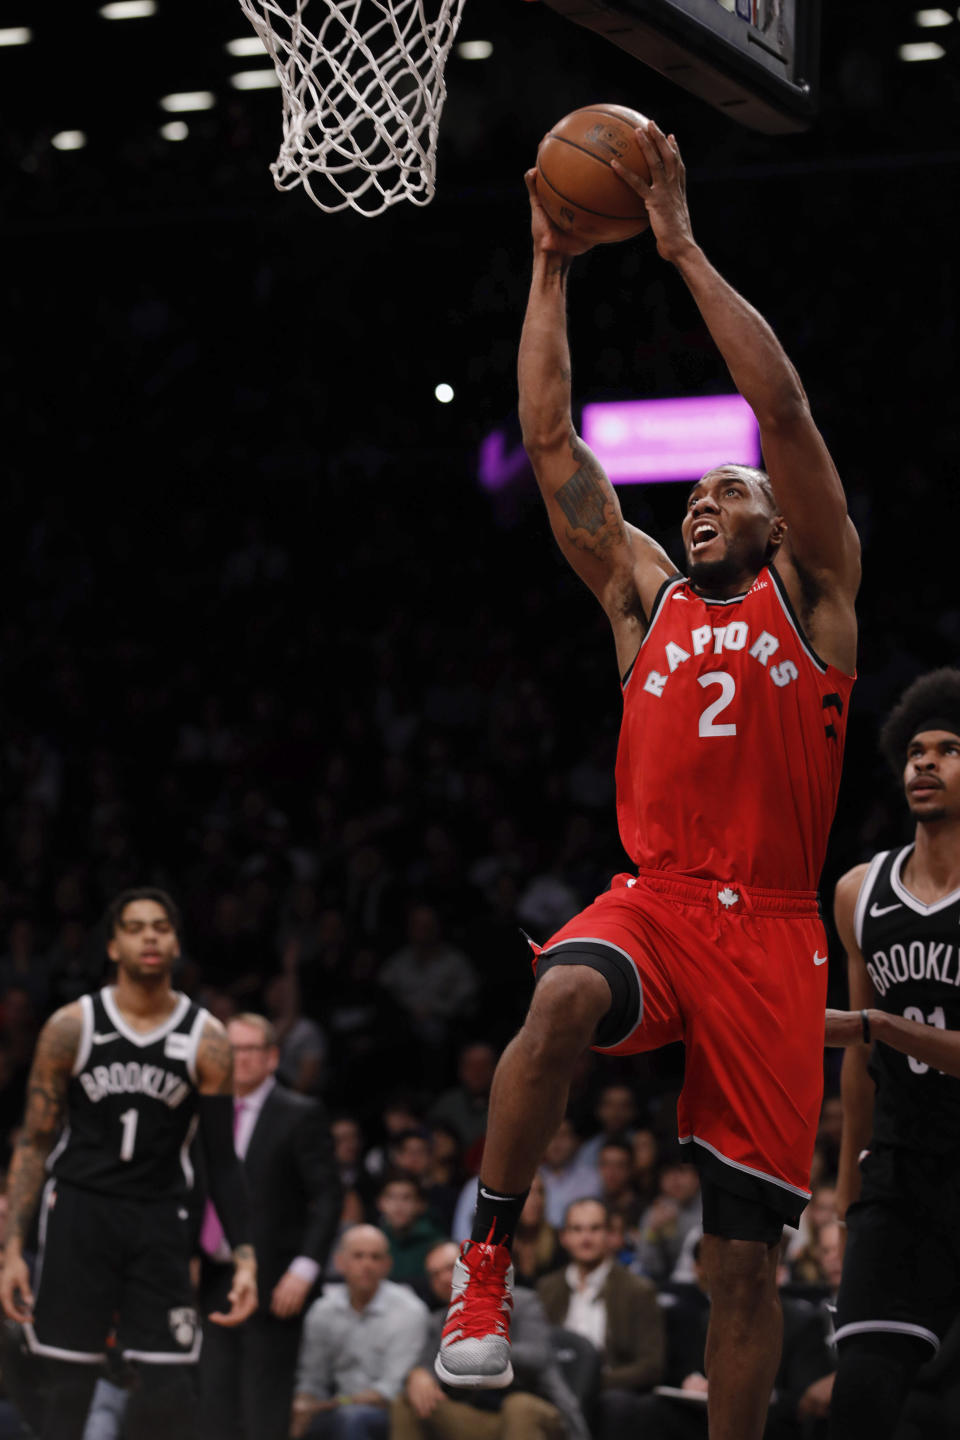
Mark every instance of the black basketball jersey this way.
pixel 132 1103
pixel 912 954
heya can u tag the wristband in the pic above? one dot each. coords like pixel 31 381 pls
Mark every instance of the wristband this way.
pixel 865 1022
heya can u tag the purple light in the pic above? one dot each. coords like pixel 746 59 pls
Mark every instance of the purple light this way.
pixel 640 441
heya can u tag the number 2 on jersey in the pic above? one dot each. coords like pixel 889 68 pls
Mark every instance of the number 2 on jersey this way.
pixel 128 1140
pixel 728 688
pixel 936 1018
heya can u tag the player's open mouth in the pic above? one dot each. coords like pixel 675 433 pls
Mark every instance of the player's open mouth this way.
pixel 702 535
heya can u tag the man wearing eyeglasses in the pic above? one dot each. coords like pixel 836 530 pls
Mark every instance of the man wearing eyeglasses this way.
pixel 283 1140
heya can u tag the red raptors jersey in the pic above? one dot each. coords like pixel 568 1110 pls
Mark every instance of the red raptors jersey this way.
pixel 731 741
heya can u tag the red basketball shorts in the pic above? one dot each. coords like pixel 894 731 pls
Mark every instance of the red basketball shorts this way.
pixel 740 976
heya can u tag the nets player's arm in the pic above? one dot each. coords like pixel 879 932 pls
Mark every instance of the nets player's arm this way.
pixel 225 1175
pixel 821 542
pixel 623 567
pixel 857 1089
pixel 53 1063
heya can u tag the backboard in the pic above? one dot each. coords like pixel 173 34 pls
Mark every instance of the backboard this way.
pixel 756 60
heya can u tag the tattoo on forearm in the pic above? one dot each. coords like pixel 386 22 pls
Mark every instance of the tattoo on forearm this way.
pixel 46 1098
pixel 588 503
pixel 215 1059
pixel 244 1254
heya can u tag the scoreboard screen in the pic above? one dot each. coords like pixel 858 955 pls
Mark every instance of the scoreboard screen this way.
pixel 756 60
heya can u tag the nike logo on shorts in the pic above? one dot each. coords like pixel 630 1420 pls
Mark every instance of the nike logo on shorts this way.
pixel 877 910
pixel 819 959
pixel 105 1037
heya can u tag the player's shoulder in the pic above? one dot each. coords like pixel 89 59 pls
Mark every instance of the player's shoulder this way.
pixel 61 1034
pixel 849 885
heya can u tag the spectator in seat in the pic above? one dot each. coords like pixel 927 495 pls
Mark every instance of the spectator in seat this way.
pixel 410 1233
pixel 617 1311
pixel 665 1224
pixel 615 1115
pixel 360 1341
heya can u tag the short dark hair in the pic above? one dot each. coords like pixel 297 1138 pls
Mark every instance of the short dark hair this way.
pixel 935 695
pixel 587 1200
pixel 401 1177
pixel 617 1142
pixel 140 892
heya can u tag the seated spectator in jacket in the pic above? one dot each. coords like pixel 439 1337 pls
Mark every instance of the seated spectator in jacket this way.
pixel 614 1309
pixel 537 1406
pixel 360 1341
pixel 536 1244
pixel 411 1153
pixel 401 1207
pixel 665 1223
pixel 565 1176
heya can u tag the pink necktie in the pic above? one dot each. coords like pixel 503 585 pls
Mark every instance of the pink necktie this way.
pixel 212 1237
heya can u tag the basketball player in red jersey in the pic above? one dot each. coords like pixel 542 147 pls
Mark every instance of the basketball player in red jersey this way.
pixel 736 680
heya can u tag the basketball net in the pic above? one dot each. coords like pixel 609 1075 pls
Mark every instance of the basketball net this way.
pixel 362 96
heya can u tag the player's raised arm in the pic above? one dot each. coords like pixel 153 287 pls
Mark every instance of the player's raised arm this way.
pixel 53 1063
pixel 225 1176
pixel 804 478
pixel 623 567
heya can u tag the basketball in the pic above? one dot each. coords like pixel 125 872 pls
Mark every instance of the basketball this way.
pixel 576 186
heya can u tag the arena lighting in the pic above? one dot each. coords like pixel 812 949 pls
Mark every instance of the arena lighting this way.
pixel 68 140
pixel 188 100
pixel 921 50
pixel 643 441
pixel 929 19
pixel 475 49
pixel 255 80
pixel 246 45
pixel 129 10
pixel 444 393
pixel 16 35
pixel 175 130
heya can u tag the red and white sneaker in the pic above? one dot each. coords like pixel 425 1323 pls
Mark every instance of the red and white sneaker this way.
pixel 475 1347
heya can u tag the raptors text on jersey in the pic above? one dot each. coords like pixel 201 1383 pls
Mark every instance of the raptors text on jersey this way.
pixel 731 742
pixel 132 1103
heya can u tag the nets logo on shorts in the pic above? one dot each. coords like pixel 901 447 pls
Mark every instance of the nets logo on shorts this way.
pixel 183 1325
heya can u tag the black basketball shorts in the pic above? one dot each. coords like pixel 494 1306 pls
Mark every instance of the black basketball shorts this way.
pixel 113 1271
pixel 901 1269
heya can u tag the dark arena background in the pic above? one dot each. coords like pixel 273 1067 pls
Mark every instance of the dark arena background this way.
pixel 265 638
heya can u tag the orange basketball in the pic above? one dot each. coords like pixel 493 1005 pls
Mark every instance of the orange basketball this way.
pixel 575 184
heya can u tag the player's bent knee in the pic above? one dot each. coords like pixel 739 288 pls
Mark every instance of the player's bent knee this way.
pixel 591 986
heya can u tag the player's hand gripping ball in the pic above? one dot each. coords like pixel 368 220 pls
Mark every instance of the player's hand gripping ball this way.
pixel 576 184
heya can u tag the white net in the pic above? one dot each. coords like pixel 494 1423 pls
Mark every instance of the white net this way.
pixel 362 95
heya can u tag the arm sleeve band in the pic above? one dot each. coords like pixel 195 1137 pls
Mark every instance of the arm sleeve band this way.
pixel 226 1181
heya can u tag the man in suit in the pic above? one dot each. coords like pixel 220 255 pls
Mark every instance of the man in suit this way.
pixel 618 1312
pixel 284 1142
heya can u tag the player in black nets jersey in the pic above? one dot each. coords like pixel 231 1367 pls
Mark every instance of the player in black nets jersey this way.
pixel 899 1183
pixel 120 1081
